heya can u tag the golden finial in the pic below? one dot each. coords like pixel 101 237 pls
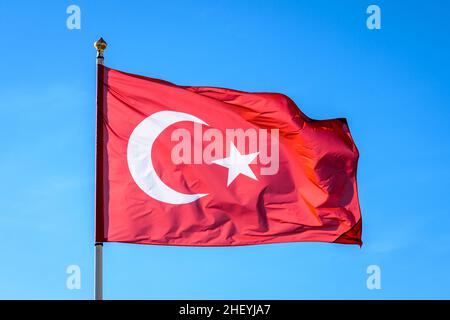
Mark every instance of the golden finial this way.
pixel 100 45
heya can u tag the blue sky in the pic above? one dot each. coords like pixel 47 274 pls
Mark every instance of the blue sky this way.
pixel 391 84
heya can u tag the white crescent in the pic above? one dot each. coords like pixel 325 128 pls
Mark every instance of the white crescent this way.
pixel 140 160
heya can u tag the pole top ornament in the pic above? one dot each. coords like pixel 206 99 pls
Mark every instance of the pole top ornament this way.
pixel 100 45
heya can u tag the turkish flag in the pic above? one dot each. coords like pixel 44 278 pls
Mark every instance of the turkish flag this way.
pixel 205 166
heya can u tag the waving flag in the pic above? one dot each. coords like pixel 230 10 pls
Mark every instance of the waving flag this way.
pixel 204 166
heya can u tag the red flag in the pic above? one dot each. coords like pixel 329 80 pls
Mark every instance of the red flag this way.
pixel 204 166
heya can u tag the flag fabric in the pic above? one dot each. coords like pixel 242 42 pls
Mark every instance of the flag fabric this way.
pixel 206 166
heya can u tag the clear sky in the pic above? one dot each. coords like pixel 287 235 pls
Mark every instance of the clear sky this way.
pixel 391 84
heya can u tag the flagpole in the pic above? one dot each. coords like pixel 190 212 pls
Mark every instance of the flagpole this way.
pixel 100 45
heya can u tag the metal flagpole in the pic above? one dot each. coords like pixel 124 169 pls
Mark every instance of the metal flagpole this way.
pixel 100 45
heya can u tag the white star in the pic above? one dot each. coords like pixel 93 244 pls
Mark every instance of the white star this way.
pixel 237 163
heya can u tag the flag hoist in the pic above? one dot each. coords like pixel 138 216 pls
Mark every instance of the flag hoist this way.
pixel 100 45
